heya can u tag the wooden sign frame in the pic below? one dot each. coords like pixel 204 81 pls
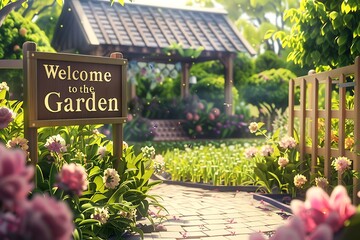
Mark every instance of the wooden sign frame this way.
pixel 31 113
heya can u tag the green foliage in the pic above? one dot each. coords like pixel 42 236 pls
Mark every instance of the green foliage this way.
pixel 255 17
pixel 223 165
pixel 269 87
pixel 268 60
pixel 139 129
pixel 206 69
pixel 244 68
pixel 13 33
pixel 211 89
pixel 324 33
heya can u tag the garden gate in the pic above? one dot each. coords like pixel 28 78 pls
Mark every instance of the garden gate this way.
pixel 313 114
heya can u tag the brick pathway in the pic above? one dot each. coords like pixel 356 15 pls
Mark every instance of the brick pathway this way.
pixel 195 213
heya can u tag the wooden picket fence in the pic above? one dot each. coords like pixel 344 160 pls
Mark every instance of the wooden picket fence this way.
pixel 309 112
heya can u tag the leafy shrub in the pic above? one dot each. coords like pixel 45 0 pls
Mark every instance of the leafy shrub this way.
pixel 138 129
pixel 211 89
pixel 271 87
pixel 13 33
pixel 268 60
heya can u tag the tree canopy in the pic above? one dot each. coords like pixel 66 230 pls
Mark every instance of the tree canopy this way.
pixel 324 33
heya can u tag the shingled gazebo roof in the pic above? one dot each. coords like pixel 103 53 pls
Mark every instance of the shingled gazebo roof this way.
pixel 95 27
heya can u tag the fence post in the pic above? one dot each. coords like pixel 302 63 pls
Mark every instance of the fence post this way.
pixel 117 128
pixel 30 133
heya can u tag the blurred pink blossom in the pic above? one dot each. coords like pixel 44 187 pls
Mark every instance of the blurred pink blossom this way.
pixel 189 116
pixel 216 112
pixel 44 218
pixel 200 106
pixel 6 116
pixel 266 150
pixel 196 117
pixel 15 176
pixel 211 116
pixel 72 178
pixel 250 152
pixel 287 142
pixel 198 128
pixel 319 208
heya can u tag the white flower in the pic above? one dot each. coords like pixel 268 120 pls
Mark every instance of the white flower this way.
pixel 299 180
pixel 148 152
pixel 102 151
pixel 111 178
pixel 283 161
pixel 101 214
pixel 341 164
pixel 253 127
pixel 250 152
pixel 4 86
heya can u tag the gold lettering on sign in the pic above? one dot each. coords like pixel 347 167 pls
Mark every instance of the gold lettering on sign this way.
pixel 53 71
pixel 91 104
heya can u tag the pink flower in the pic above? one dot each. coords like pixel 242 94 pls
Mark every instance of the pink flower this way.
pixel 198 128
pixel 287 142
pixel 9 225
pixel 189 116
pixel 299 180
pixel 250 152
pixel 196 117
pixel 321 182
pixel 129 117
pixel 6 116
pixel 253 127
pixel 18 142
pixel 319 208
pixel 56 144
pixel 15 176
pixel 72 178
pixel 283 161
pixel 216 112
pixel 44 218
pixel 266 150
pixel 341 164
pixel 211 116
pixel 200 106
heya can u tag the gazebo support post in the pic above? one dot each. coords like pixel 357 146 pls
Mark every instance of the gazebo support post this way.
pixel 185 69
pixel 228 62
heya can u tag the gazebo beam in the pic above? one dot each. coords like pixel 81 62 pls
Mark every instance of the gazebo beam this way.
pixel 185 69
pixel 228 62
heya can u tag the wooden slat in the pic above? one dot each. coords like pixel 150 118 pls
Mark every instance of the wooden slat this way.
pixel 170 28
pixel 123 23
pixel 144 38
pixel 291 108
pixel 112 23
pixel 214 46
pixel 302 143
pixel 11 64
pixel 314 124
pixel 193 32
pixel 161 27
pixel 148 25
pixel 101 27
pixel 327 144
pixel 342 110
pixel 218 37
pixel 356 159
pixel 185 34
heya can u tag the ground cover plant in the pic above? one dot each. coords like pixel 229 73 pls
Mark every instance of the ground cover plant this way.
pixel 74 190
pixel 223 165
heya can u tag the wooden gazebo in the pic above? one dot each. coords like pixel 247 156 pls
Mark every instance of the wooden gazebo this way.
pixel 143 33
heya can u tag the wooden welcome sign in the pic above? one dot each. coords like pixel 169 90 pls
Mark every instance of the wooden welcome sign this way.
pixel 69 89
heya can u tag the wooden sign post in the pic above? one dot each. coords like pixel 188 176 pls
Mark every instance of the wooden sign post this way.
pixel 70 89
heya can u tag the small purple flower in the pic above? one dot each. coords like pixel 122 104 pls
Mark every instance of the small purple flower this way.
pixel 6 116
pixel 56 144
